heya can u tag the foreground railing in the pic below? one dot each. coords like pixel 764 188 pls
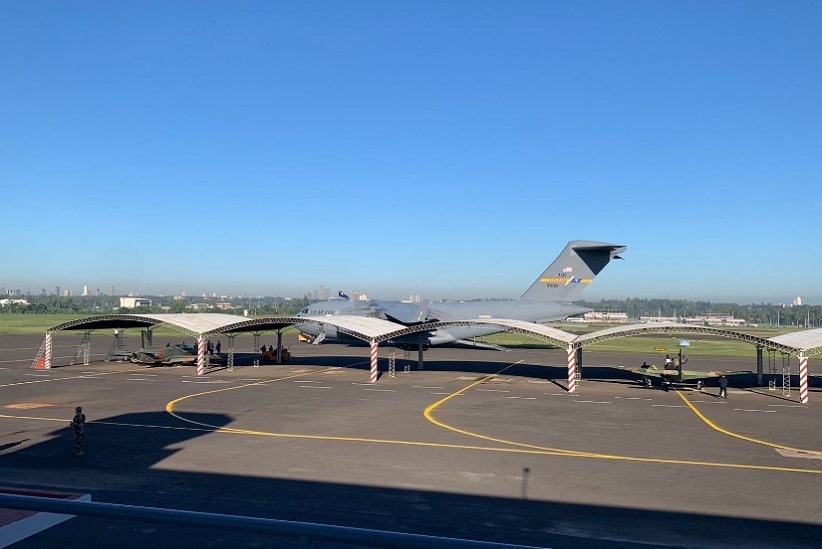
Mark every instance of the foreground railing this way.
pixel 304 531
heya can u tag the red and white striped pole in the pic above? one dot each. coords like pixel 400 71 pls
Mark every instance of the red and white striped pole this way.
pixel 47 362
pixel 201 352
pixel 572 370
pixel 803 379
pixel 373 361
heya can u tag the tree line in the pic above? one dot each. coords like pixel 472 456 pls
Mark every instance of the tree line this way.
pixel 763 313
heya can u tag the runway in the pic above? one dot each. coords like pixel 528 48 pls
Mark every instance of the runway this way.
pixel 482 445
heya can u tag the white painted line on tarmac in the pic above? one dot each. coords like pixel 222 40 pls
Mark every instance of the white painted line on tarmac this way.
pixel 365 384
pixel 252 379
pixel 458 394
pixel 39 375
pixel 495 390
pixel 761 411
pixel 633 398
pixel 523 398
pixel 594 401
pixel 537 381
pixel 556 394
pixel 667 406
pixel 315 386
pixel 786 405
pixel 382 390
pixel 305 381
pixel 425 387
pixel 799 454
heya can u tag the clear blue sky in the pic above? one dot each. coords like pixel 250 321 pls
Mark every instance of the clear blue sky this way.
pixel 445 148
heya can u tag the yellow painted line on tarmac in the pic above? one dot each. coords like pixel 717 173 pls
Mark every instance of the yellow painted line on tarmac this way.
pixel 170 406
pixel 535 449
pixel 717 428
pixel 115 423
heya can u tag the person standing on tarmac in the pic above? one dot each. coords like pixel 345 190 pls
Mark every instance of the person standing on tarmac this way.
pixel 78 423
pixel 723 387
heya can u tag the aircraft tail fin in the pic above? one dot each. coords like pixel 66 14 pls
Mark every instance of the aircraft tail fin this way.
pixel 572 270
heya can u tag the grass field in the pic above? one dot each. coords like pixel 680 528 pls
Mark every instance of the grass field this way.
pixel 700 344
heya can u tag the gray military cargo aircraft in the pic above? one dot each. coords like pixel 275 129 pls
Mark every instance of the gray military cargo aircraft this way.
pixel 549 298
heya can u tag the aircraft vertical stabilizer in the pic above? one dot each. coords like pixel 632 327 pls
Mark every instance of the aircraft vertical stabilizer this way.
pixel 572 270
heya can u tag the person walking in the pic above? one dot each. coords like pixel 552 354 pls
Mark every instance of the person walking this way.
pixel 218 346
pixel 78 424
pixel 723 387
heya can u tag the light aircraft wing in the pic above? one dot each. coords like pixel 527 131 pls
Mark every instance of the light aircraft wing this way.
pixel 180 360
pixel 652 372
pixel 686 375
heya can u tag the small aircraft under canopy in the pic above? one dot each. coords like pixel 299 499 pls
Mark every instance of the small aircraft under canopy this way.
pixel 672 372
pixel 170 355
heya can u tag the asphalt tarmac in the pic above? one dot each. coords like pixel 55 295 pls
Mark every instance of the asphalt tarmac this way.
pixel 482 445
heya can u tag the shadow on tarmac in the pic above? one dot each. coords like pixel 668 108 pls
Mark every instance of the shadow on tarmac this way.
pixel 122 453
pixel 123 464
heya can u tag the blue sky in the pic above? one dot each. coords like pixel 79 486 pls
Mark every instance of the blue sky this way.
pixel 448 149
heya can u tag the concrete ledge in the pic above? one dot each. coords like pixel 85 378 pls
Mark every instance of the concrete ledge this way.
pixel 16 524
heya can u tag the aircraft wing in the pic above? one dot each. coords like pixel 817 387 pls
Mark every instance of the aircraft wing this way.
pixel 686 374
pixel 144 357
pixel 404 313
pixel 653 372
pixel 180 360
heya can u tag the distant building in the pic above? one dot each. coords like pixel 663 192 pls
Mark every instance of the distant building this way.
pixel 609 317
pixel 132 302
pixel 797 302
pixel 707 319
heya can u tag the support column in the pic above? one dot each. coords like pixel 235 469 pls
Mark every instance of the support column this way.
pixel 201 352
pixel 48 351
pixel 420 352
pixel 374 371
pixel 803 379
pixel 279 347
pixel 572 370
pixel 759 369
pixel 231 353
pixel 579 363
pixel 43 359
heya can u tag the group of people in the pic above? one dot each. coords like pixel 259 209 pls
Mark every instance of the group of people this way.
pixel 212 349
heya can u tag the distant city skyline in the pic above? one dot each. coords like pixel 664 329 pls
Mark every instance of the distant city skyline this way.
pixel 323 292
pixel 445 149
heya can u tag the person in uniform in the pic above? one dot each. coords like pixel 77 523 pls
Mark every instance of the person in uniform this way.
pixel 723 387
pixel 78 423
